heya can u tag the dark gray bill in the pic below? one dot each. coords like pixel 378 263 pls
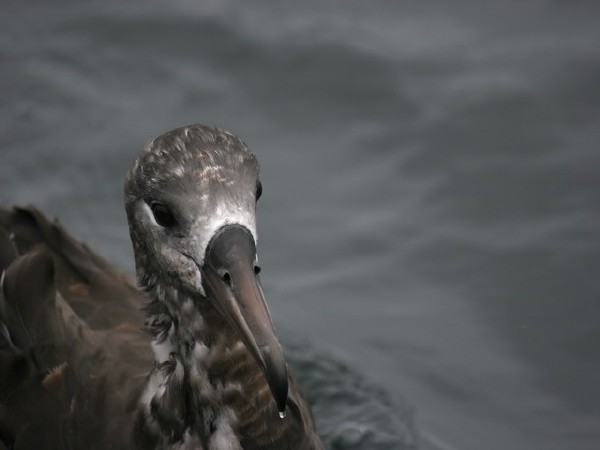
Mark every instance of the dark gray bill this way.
pixel 231 281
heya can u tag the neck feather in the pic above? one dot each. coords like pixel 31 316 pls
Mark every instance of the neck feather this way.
pixel 205 384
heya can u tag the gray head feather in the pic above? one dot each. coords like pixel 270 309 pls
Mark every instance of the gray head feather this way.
pixel 207 178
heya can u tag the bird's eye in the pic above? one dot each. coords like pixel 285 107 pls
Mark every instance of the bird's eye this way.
pixel 163 215
pixel 258 190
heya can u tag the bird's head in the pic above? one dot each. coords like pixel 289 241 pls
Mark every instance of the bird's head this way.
pixel 191 200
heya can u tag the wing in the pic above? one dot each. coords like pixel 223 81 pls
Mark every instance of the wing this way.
pixel 73 357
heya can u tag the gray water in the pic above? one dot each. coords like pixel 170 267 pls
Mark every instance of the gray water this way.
pixel 429 224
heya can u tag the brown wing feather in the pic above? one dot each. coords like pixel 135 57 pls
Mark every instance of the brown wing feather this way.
pixel 102 295
pixel 73 358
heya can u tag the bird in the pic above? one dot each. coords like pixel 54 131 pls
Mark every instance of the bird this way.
pixel 186 357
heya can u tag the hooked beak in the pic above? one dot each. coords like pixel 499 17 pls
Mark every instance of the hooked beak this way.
pixel 230 279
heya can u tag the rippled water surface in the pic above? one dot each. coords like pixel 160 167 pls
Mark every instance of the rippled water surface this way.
pixel 429 225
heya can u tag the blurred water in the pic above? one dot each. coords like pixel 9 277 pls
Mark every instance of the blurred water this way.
pixel 429 225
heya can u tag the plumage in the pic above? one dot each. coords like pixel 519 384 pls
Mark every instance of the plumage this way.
pixel 187 360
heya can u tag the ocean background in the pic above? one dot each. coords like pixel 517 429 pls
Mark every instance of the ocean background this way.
pixel 429 227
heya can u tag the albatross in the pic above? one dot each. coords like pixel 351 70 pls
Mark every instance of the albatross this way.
pixel 187 358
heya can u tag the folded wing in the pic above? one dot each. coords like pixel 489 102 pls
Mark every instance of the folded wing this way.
pixel 73 357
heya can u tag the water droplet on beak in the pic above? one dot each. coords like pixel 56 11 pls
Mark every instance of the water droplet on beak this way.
pixel 282 414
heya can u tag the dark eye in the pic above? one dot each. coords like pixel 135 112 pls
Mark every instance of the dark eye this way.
pixel 258 190
pixel 163 215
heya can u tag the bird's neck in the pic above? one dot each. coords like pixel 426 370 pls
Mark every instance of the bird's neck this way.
pixel 205 384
